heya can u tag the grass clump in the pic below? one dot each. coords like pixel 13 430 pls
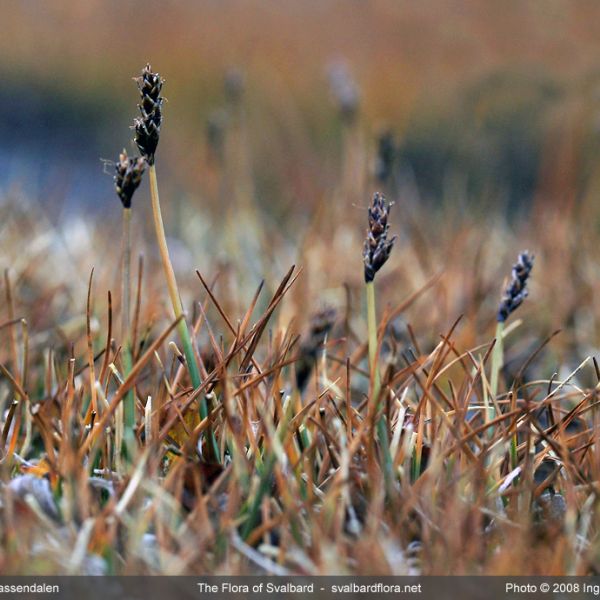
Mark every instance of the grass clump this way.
pixel 329 441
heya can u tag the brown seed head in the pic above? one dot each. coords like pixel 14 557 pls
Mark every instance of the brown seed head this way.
pixel 128 177
pixel 147 126
pixel 377 247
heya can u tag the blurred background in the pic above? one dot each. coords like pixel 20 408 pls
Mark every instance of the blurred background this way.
pixel 481 119
pixel 486 97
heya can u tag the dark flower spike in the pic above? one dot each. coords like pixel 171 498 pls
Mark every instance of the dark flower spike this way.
pixel 377 247
pixel 128 177
pixel 516 291
pixel 147 126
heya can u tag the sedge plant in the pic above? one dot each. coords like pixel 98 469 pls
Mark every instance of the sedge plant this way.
pixel 129 172
pixel 377 249
pixel 514 294
pixel 147 133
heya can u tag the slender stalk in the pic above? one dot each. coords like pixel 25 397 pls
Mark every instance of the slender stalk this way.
pixel 28 417
pixel 182 329
pixel 372 328
pixel 128 413
pixel 514 442
pixel 126 274
pixel 497 362
pixel 376 384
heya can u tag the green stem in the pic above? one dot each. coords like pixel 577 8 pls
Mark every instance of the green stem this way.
pixel 129 401
pixel 125 283
pixel 184 334
pixel 381 425
pixel 128 409
pixel 372 328
pixel 497 362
